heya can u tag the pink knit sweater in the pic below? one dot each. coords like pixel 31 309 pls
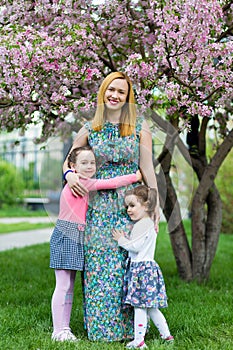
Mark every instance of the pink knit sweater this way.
pixel 74 209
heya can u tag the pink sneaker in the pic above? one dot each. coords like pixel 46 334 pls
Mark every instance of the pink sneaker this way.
pixel 169 339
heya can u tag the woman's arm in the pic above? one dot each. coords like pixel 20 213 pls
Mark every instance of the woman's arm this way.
pixel 146 164
pixel 72 179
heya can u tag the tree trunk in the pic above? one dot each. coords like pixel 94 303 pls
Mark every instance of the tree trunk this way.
pixel 171 209
pixel 213 227
pixel 206 227
pixel 206 224
pixel 179 242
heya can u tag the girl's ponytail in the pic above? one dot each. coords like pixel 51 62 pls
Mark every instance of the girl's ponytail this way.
pixel 152 200
pixel 146 196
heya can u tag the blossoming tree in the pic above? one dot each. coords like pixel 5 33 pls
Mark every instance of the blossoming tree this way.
pixel 179 54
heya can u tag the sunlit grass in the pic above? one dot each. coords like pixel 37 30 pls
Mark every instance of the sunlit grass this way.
pixel 20 211
pixel 23 226
pixel 200 316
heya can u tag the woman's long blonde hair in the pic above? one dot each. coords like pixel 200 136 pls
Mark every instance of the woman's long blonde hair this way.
pixel 128 112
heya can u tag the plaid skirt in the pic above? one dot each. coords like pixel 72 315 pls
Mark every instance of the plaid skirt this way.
pixel 144 285
pixel 67 246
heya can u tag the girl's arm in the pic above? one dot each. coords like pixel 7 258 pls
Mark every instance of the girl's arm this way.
pixel 115 182
pixel 146 164
pixel 76 187
pixel 137 239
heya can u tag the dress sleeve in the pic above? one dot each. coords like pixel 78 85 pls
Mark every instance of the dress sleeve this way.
pixel 106 184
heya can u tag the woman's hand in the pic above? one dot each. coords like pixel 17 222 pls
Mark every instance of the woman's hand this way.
pixel 117 234
pixel 156 219
pixel 76 187
pixel 139 176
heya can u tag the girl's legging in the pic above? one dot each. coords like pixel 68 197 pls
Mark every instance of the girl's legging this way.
pixel 62 299
pixel 141 319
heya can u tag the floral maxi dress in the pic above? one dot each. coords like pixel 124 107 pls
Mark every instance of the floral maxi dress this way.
pixel 106 318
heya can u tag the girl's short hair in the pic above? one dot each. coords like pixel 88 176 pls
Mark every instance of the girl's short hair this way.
pixel 75 152
pixel 128 114
pixel 145 195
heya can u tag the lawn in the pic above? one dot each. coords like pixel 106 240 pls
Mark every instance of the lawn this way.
pixel 20 211
pixel 199 316
pixel 23 226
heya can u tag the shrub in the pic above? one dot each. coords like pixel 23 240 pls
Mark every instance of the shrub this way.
pixel 11 184
pixel 224 185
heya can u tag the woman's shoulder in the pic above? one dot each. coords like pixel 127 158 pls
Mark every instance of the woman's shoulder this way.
pixel 87 126
pixel 81 137
pixel 141 123
pixel 139 120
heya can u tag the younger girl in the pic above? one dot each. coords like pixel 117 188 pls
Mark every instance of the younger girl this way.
pixel 144 283
pixel 66 244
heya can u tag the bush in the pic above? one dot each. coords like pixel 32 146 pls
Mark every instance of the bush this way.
pixel 51 174
pixel 224 185
pixel 11 184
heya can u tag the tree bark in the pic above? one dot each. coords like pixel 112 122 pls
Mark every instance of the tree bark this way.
pixel 213 228
pixel 172 212
pixel 206 214
pixel 179 242
pixel 206 224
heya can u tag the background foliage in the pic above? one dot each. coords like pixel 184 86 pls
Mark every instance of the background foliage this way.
pixel 11 184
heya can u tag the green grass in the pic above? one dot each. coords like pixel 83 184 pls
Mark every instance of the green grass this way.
pixel 200 316
pixel 20 211
pixel 23 226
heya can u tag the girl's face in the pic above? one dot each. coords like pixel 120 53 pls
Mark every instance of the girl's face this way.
pixel 116 94
pixel 135 209
pixel 85 163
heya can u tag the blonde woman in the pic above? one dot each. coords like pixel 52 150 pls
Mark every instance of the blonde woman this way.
pixel 122 143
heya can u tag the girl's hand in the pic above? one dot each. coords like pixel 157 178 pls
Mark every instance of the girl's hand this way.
pixel 117 234
pixel 75 185
pixel 139 176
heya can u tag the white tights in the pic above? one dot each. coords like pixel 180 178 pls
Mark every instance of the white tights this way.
pixel 62 299
pixel 141 319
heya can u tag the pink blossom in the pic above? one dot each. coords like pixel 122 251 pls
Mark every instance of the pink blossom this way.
pixel 60 51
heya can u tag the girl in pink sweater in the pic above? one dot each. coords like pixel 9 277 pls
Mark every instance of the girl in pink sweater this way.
pixel 66 243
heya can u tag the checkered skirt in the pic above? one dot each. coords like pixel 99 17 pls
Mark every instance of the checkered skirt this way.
pixel 66 246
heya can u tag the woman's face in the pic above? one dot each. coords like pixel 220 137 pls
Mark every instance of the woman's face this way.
pixel 116 94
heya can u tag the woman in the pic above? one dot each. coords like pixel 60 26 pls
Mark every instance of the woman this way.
pixel 121 143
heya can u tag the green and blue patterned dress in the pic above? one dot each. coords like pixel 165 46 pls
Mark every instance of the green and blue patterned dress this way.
pixel 106 318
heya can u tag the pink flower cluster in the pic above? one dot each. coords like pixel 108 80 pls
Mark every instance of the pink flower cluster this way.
pixel 54 53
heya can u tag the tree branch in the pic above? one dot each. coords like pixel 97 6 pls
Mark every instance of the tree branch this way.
pixel 202 135
pixel 225 34
pixel 227 6
pixel 212 168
